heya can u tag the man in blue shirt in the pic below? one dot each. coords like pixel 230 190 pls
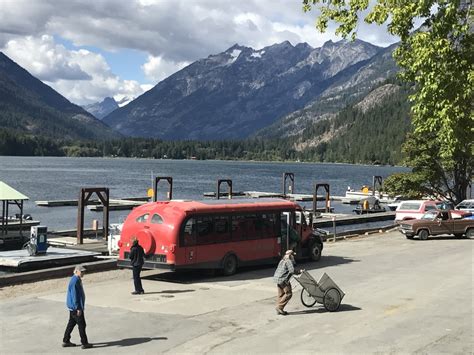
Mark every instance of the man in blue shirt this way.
pixel 75 301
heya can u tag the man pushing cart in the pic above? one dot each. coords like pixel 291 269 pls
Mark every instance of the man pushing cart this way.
pixel 324 291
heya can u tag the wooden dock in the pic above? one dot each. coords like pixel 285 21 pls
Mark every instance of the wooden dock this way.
pixel 327 219
pixel 61 203
pixel 20 259
pixel 26 224
pixel 96 245
pixel 263 194
pixel 117 205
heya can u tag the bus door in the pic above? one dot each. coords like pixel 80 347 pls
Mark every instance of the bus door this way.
pixel 289 235
pixel 285 232
pixel 189 241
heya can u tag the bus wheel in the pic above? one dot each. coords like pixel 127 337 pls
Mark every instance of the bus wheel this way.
pixel 315 251
pixel 229 265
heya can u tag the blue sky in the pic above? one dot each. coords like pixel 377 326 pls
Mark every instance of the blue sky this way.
pixel 125 62
pixel 88 50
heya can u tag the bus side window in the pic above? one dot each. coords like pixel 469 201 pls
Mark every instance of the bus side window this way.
pixel 221 228
pixel 204 228
pixel 270 223
pixel 189 235
pixel 238 228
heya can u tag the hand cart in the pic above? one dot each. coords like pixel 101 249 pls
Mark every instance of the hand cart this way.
pixel 325 291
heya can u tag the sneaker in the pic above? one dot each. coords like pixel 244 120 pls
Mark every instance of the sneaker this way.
pixel 86 346
pixel 281 312
pixel 68 344
pixel 135 293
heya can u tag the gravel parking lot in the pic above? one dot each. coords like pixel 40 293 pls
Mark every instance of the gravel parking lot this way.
pixel 402 296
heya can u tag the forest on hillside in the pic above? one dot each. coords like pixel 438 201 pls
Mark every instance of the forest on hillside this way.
pixel 373 136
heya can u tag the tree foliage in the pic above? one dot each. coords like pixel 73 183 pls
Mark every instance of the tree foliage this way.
pixel 438 58
pixel 412 186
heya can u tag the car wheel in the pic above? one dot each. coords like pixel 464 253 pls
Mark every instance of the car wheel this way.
pixel 229 265
pixel 423 234
pixel 470 233
pixel 315 251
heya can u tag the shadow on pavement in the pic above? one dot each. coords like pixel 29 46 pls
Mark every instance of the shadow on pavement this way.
pixel 436 237
pixel 127 342
pixel 168 292
pixel 321 309
pixel 243 273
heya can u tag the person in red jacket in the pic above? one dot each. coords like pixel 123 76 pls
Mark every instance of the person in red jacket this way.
pixel 137 259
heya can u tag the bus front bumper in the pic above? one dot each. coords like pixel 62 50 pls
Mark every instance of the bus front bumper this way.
pixel 147 265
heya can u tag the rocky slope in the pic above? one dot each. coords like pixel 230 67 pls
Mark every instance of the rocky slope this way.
pixel 233 94
pixel 349 86
pixel 101 109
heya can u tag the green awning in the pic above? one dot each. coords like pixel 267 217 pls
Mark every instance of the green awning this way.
pixel 9 193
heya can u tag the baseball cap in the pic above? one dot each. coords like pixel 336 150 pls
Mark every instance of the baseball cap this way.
pixel 80 268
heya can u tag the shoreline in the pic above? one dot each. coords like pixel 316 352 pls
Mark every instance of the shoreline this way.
pixel 209 160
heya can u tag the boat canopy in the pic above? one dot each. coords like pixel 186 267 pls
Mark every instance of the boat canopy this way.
pixel 8 193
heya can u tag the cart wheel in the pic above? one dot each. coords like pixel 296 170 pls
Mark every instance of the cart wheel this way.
pixel 307 299
pixel 332 300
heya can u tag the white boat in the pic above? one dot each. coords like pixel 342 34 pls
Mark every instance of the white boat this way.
pixel 366 192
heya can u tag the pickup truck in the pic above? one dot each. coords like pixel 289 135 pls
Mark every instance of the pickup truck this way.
pixel 414 209
pixel 438 222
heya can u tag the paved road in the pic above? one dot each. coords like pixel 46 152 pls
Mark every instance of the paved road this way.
pixel 402 296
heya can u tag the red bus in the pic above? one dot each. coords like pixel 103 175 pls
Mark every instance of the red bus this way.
pixel 217 234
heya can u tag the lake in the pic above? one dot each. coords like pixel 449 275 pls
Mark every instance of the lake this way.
pixel 61 178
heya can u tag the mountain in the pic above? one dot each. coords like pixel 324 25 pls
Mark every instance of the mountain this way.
pixel 233 94
pixel 372 129
pixel 27 105
pixel 101 109
pixel 349 86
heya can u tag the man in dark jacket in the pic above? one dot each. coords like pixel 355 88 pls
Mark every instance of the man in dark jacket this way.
pixel 75 301
pixel 137 259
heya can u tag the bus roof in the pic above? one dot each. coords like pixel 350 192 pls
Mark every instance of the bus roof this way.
pixel 225 205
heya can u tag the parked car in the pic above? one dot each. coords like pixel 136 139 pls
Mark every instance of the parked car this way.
pixel 466 205
pixel 414 209
pixel 438 222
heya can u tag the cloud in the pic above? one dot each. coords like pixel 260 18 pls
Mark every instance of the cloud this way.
pixel 80 75
pixel 172 33
pixel 176 31
pixel 45 59
pixel 157 69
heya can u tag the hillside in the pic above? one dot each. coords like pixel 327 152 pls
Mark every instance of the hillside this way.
pixel 29 106
pixel 349 86
pixel 370 131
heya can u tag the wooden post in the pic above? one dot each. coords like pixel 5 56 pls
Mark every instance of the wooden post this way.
pixel 229 185
pixel 170 184
pixel 84 196
pixel 80 217
pixel 291 188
